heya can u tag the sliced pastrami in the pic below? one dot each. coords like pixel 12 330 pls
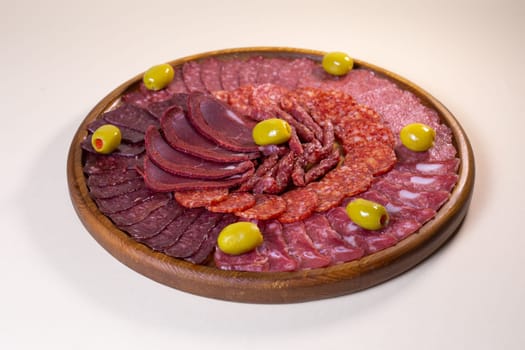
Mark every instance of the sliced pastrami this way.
pixel 194 235
pixel 328 242
pixel 181 135
pixel 155 222
pixel 162 181
pixel 183 164
pixel 131 117
pixel 301 247
pixel 216 121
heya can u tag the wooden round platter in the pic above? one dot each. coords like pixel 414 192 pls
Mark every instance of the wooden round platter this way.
pixel 282 287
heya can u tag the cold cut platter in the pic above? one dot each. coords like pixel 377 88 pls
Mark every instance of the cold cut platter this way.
pixel 270 175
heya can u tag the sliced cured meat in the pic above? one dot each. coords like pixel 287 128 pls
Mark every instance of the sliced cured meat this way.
pixel 173 231
pixel 275 248
pixel 208 245
pixel 216 121
pixel 328 242
pixel 401 228
pixel 282 176
pixel 179 133
pixel 301 247
pixel 183 164
pixel 177 84
pixel 248 71
pixel 123 201
pixel 142 96
pixel 290 73
pixel 192 238
pixel 131 117
pixel 234 202
pixel 378 157
pixel 129 150
pixel 266 96
pixel 266 207
pixel 416 199
pixel 140 211
pixel 162 181
pixel 191 74
pixel 356 131
pixel 97 163
pixel 201 198
pixel 268 70
pixel 360 81
pixel 376 242
pixel 416 182
pixel 290 105
pixel 254 261
pixel 430 168
pixel 155 222
pixel 211 74
pixel 112 178
pixel 324 166
pixel 128 135
pixel 98 192
pixel 300 204
pixel 267 164
pixel 230 74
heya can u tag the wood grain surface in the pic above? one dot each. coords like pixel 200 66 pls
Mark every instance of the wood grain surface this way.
pixel 283 287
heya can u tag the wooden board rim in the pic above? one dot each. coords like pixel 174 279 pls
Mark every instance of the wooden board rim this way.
pixel 283 287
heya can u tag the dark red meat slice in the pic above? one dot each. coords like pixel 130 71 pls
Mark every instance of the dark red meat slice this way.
pixel 234 202
pixel 211 74
pixel 123 201
pixel 142 96
pixel 98 163
pixel 177 84
pixel 173 231
pixel 357 131
pixel 183 164
pixel 328 242
pixel 301 247
pixel 216 121
pixel 248 71
pixel 267 164
pixel 323 167
pixel 179 133
pixel 291 106
pixel 430 168
pixel 112 178
pixel 266 207
pixel 128 135
pixel 300 204
pixel 268 70
pixel 140 211
pixel 207 247
pixel 416 182
pixel 201 198
pixel 282 176
pixel 131 117
pixel 116 190
pixel 155 222
pixel 194 235
pixel 230 74
pixel 416 199
pixel 378 157
pixel 129 150
pixel 275 247
pixel 157 109
pixel 290 73
pixel 191 74
pixel 160 180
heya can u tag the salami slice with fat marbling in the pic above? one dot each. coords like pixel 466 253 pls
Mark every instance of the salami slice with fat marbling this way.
pixel 201 198
pixel 266 207
pixel 300 204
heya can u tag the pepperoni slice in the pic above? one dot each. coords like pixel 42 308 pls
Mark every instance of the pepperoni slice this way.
pixel 266 207
pixel 300 204
pixel 234 202
pixel 201 198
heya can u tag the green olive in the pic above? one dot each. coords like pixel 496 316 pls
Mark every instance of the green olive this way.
pixel 239 238
pixel 337 63
pixel 106 139
pixel 417 137
pixel 273 131
pixel 158 77
pixel 367 214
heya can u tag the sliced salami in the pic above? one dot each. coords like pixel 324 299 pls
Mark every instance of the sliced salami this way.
pixel 191 74
pixel 300 204
pixel 230 74
pixel 418 182
pixel 211 74
pixel 430 168
pixel 275 247
pixel 378 157
pixel 234 202
pixel 301 247
pixel 266 207
pixel 201 198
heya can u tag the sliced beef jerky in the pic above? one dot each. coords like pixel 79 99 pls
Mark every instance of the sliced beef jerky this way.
pixel 155 222
pixel 194 235
pixel 301 247
pixel 140 211
pixel 131 117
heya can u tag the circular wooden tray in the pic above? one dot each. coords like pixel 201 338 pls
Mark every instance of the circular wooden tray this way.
pixel 283 287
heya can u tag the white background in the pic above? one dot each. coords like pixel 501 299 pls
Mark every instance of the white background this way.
pixel 60 290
